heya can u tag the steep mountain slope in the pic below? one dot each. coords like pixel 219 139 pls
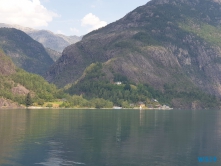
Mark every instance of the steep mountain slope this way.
pixel 165 42
pixel 16 83
pixel 6 65
pixel 50 40
pixel 24 51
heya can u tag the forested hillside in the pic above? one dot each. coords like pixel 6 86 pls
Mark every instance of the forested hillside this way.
pixel 122 92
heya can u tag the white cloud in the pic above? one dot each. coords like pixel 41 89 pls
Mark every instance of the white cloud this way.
pixel 45 1
pixel 29 13
pixel 74 30
pixel 92 21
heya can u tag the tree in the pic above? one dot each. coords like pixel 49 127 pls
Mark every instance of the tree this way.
pixel 127 87
pixel 28 100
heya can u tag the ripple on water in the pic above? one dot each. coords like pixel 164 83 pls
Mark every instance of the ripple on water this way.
pixel 55 158
pixel 58 162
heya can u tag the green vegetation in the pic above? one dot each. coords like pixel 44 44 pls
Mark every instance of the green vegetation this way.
pixel 95 85
pixel 76 101
pixel 28 100
pixel 205 31
pixel 145 38
pixel 23 87
pixel 44 94
pixel 43 90
pixel 32 90
pixel 40 90
pixel 93 90
pixel 206 100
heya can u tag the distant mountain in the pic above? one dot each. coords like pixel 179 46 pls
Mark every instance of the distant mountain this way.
pixel 55 55
pixel 53 41
pixel 171 45
pixel 24 29
pixel 50 40
pixel 25 52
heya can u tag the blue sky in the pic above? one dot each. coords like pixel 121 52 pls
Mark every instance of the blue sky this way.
pixel 69 17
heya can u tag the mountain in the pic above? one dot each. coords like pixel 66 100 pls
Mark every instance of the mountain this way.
pixel 16 84
pixel 24 29
pixel 6 65
pixel 25 52
pixel 172 45
pixel 49 40
pixel 19 89
pixel 53 41
pixel 7 68
pixel 55 55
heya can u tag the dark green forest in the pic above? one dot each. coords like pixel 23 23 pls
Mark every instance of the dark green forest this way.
pixel 95 85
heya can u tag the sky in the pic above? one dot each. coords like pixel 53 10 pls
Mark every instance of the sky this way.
pixel 68 17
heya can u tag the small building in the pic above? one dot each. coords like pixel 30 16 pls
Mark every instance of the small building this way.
pixel 132 105
pixel 154 100
pixel 141 104
pixel 118 83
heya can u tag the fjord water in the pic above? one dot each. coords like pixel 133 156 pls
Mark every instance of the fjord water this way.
pixel 109 137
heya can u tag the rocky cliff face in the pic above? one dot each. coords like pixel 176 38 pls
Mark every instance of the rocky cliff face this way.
pixel 173 42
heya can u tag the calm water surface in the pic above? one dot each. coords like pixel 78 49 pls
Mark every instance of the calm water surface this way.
pixel 109 137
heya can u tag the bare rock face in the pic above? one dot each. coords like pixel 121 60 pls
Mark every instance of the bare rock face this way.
pixel 20 90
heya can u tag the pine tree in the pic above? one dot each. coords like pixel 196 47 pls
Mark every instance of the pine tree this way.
pixel 28 100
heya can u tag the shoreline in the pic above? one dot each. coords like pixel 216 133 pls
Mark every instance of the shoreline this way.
pixel 136 108
pixel 41 108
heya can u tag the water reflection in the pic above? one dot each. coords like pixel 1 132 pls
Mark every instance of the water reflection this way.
pixel 118 132
pixel 108 137
pixel 142 117
pixel 12 129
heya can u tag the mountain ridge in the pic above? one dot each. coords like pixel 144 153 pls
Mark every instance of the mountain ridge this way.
pixel 49 39
pixel 165 42
pixel 24 51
